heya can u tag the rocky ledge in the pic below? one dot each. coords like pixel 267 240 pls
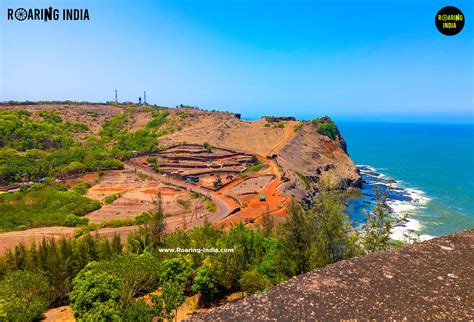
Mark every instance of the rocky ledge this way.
pixel 431 280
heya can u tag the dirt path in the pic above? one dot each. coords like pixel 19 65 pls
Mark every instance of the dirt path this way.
pixel 224 204
pixel 289 133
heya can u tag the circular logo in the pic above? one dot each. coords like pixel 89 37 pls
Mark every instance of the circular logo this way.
pixel 449 21
pixel 20 14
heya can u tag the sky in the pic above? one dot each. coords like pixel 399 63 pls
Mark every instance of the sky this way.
pixel 352 60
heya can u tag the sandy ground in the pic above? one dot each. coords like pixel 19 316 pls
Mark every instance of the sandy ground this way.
pixel 59 314
pixel 136 196
pixel 251 185
pixel 225 130
pixel 12 238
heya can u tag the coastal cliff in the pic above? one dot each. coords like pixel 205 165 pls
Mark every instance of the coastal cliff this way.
pixel 311 158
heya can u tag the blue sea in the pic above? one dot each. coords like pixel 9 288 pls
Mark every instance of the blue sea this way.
pixel 433 169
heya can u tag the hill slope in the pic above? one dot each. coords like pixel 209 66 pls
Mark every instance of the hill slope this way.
pixel 302 153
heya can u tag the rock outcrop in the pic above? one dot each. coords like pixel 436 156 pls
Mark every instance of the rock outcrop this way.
pixel 431 280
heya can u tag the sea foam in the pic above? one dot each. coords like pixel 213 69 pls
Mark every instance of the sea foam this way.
pixel 403 201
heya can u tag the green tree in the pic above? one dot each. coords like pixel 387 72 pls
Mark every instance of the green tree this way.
pixel 24 296
pixel 206 284
pixel 173 296
pixel 248 250
pixel 333 232
pixel 297 234
pixel 379 224
pixel 138 273
pixel 155 226
pixel 95 295
pixel 102 290
pixel 175 270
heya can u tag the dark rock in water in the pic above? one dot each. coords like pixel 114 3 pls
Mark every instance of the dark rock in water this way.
pixel 367 202
pixel 391 181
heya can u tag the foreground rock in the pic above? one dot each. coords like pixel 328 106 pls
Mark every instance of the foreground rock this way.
pixel 427 281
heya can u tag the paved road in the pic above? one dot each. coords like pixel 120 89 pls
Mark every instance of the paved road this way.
pixel 224 207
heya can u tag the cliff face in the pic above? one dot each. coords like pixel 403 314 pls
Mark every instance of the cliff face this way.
pixel 431 280
pixel 319 159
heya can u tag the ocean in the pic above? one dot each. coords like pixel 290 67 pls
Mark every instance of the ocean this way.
pixel 433 169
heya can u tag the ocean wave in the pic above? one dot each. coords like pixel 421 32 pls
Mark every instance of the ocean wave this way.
pixel 403 201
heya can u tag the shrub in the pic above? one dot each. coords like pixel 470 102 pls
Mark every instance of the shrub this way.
pixel 142 218
pixel 255 168
pixel 151 159
pixel 326 126
pixel 106 290
pixel 304 179
pixel 252 282
pixel 109 199
pixel 329 130
pixel 159 118
pixel 207 146
pixel 50 117
pixel 210 205
pixel 118 222
pixel 298 127
pixel 81 188
pixel 74 221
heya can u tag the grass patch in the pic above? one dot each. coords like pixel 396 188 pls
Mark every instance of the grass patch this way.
pixel 118 222
pixel 298 127
pixel 210 205
pixel 186 204
pixel 303 178
pixel 159 118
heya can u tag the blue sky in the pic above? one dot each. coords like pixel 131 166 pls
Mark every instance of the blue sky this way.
pixel 353 60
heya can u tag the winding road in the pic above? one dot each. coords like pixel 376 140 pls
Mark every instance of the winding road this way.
pixel 225 205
